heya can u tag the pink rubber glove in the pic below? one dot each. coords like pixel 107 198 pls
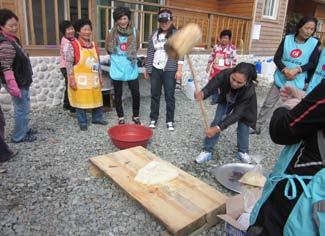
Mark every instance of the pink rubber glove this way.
pixel 12 84
pixel 288 92
pixel 291 102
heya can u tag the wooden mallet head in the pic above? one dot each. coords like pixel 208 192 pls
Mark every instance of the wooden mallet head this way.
pixel 183 41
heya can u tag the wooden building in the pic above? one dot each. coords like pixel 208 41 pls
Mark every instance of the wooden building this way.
pixel 257 25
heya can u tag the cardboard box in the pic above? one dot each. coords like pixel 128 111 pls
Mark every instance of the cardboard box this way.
pixel 234 208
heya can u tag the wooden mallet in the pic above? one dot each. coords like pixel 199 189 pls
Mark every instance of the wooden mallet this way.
pixel 179 45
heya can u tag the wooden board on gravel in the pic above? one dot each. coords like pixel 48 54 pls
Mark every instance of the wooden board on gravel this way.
pixel 184 205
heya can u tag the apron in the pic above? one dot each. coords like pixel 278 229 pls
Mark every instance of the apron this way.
pixel 295 55
pixel 122 68
pixel 88 94
pixel 319 73
pixel 308 215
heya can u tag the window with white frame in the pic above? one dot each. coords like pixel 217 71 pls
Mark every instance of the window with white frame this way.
pixel 270 9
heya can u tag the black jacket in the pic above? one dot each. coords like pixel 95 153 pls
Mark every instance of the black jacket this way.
pixel 244 108
pixel 21 66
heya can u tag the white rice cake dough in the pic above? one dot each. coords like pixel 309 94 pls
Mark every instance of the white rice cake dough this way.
pixel 253 178
pixel 156 172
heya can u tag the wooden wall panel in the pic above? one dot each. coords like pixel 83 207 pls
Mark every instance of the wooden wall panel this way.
pixel 271 30
pixel 9 4
pixel 236 7
pixel 206 5
pixel 320 11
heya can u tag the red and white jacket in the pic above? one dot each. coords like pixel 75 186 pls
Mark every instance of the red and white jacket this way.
pixel 222 57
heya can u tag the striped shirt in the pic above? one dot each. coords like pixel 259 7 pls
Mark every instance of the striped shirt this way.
pixel 171 64
pixel 7 55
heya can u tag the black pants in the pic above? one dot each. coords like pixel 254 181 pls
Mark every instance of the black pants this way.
pixel 118 92
pixel 66 103
pixel 4 149
pixel 159 78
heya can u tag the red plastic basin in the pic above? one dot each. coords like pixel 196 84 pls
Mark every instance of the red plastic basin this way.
pixel 129 135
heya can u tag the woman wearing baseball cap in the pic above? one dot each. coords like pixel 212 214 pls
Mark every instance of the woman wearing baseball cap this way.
pixel 163 70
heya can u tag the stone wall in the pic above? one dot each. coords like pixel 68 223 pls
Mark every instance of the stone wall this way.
pixel 47 87
pixel 48 84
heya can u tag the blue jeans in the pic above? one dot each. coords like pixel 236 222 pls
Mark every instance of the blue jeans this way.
pixel 97 115
pixel 21 113
pixel 242 131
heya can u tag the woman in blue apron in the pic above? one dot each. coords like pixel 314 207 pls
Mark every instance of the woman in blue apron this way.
pixel 122 42
pixel 296 56
pixel 319 73
pixel 293 199
pixel 237 104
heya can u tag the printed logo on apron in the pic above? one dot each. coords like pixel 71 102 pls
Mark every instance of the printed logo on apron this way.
pixel 123 47
pixel 323 67
pixel 296 53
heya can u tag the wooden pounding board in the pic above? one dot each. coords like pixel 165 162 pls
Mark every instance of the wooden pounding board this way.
pixel 182 204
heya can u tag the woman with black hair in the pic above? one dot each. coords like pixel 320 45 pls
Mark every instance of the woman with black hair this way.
pixel 237 103
pixel 16 72
pixel 295 59
pixel 223 56
pixel 84 76
pixel 163 70
pixel 122 42
pixel 67 31
pixel 293 198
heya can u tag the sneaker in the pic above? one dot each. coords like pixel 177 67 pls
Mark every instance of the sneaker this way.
pixel 136 120
pixel 28 138
pixel 31 131
pixel 244 157
pixel 121 121
pixel 170 126
pixel 257 130
pixel 153 124
pixel 203 157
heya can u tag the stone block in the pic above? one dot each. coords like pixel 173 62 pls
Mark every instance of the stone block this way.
pixel 6 108
pixel 43 67
pixel 5 99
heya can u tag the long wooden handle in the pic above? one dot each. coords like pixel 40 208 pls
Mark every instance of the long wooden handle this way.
pixel 197 88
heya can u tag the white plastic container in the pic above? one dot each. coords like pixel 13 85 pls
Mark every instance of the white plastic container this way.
pixel 268 68
pixel 190 89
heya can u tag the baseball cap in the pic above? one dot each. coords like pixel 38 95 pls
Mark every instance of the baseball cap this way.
pixel 164 17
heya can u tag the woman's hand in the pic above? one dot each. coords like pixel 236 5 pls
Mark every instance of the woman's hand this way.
pixel 101 80
pixel 145 74
pixel 293 72
pixel 212 131
pixel 72 83
pixel 290 74
pixel 198 95
pixel 178 75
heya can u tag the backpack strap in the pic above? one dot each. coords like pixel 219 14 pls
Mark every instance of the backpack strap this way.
pixel 321 144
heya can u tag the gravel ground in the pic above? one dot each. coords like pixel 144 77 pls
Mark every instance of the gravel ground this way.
pixel 47 189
